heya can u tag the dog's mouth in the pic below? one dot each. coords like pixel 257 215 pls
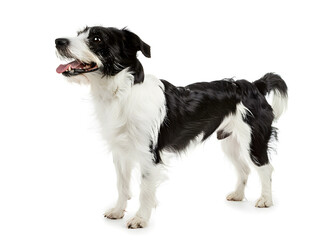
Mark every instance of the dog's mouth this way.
pixel 76 67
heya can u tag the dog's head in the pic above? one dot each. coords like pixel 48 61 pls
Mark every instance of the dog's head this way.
pixel 104 51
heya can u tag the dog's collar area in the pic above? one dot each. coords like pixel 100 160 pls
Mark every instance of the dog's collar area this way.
pixel 76 67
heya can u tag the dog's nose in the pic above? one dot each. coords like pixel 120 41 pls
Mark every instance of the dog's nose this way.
pixel 60 42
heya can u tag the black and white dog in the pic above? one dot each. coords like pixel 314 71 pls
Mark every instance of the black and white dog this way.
pixel 142 116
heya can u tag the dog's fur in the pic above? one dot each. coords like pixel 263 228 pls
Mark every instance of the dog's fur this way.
pixel 142 116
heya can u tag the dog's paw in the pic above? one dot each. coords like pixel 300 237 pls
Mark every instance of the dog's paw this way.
pixel 136 222
pixel 235 196
pixel 114 213
pixel 264 202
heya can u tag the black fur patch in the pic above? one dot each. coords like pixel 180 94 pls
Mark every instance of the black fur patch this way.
pixel 201 107
pixel 195 109
pixel 222 135
pixel 117 50
pixel 156 155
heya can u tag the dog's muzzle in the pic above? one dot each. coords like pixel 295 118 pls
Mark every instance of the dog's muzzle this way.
pixel 74 67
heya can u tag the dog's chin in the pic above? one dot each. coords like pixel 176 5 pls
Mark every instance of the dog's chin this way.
pixel 84 78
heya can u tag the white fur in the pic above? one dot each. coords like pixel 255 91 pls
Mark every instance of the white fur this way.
pixel 265 199
pixel 78 47
pixel 128 124
pixel 279 103
pixel 125 118
pixel 236 148
pixel 123 171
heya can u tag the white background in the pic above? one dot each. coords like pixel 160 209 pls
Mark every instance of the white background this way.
pixel 56 176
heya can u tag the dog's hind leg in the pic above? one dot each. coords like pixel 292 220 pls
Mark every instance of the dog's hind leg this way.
pixel 265 199
pixel 234 151
pixel 235 136
pixel 259 157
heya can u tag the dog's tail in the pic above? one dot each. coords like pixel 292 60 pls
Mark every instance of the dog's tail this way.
pixel 273 84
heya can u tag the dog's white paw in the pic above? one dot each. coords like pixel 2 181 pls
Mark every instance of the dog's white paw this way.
pixel 114 213
pixel 136 222
pixel 264 202
pixel 235 196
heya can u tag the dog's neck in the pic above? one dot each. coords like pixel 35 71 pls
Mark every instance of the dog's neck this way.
pixel 112 88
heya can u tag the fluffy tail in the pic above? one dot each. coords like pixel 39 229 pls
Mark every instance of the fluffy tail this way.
pixel 273 84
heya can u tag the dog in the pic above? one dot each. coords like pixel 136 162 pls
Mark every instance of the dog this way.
pixel 142 116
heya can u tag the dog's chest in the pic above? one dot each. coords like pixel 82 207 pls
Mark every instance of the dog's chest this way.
pixel 130 117
pixel 115 123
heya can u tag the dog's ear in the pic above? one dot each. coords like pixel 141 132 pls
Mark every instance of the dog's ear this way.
pixel 134 42
pixel 145 49
pixel 138 72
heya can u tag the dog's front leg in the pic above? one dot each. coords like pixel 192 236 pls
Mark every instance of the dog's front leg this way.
pixel 150 179
pixel 123 170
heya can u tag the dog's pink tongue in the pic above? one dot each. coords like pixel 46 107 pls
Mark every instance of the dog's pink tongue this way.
pixel 63 67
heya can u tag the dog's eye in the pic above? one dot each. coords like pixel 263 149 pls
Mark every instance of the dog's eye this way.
pixel 97 39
